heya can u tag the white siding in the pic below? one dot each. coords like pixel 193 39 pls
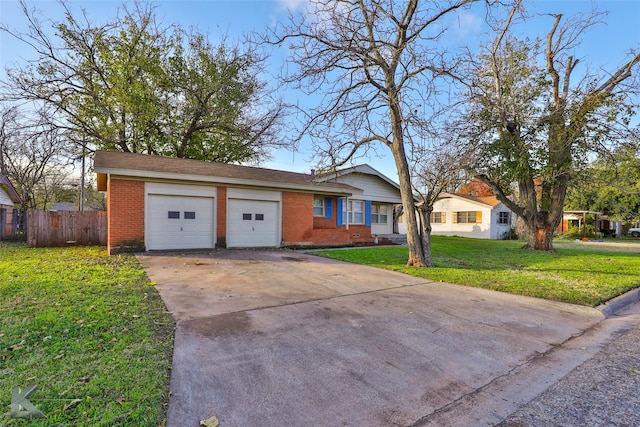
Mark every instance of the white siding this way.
pixel 481 230
pixel 4 198
pixel 499 230
pixel 373 187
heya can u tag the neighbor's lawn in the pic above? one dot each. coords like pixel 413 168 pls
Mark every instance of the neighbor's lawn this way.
pixel 89 330
pixel 583 274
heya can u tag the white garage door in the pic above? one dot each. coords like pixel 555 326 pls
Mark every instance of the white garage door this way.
pixel 252 223
pixel 179 222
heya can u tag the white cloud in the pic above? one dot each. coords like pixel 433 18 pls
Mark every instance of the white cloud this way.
pixel 292 5
pixel 467 23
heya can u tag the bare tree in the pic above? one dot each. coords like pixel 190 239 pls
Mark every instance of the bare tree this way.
pixel 533 117
pixel 376 64
pixel 438 169
pixel 33 154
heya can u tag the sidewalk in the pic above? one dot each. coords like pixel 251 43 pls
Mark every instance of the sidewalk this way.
pixel 591 380
pixel 603 391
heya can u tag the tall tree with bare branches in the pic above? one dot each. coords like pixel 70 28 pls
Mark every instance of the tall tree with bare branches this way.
pixel 437 169
pixel 534 116
pixel 376 64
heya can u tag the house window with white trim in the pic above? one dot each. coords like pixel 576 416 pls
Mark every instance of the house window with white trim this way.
pixel 379 214
pixel 355 211
pixel 318 206
pixel 503 218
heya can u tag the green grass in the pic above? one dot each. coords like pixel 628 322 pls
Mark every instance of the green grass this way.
pixel 585 273
pixel 89 330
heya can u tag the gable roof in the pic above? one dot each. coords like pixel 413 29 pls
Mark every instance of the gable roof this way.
pixel 363 169
pixel 151 166
pixel 8 188
pixel 491 201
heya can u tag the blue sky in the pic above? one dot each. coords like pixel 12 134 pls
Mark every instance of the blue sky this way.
pixel 605 46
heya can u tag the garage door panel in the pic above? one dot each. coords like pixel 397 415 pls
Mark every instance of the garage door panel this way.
pixel 253 223
pixel 180 222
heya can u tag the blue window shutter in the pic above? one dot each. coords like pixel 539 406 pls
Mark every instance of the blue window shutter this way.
pixel 327 208
pixel 367 213
pixel 339 212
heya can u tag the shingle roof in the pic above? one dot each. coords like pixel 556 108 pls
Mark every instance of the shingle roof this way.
pixel 142 165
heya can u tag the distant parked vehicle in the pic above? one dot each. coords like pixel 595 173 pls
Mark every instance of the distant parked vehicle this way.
pixel 634 232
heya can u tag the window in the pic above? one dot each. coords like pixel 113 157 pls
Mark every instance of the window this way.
pixel 318 206
pixel 174 215
pixel 355 211
pixel 503 217
pixel 469 217
pixel 259 217
pixel 438 217
pixel 246 217
pixel 379 214
pixel 189 215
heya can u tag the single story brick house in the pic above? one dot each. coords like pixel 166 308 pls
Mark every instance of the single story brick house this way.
pixel 160 203
pixel 470 216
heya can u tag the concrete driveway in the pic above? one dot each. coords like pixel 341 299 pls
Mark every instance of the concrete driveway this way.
pixel 280 338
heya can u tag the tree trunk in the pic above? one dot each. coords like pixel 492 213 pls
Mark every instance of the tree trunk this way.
pixel 414 241
pixel 540 239
pixel 425 235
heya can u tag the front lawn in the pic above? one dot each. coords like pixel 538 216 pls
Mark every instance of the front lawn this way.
pixel 580 273
pixel 89 330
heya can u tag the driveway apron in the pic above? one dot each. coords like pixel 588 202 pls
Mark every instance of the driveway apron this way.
pixel 280 338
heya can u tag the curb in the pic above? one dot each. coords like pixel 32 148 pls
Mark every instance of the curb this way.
pixel 611 307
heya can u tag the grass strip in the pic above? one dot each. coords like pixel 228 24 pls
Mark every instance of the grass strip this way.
pixel 585 274
pixel 89 330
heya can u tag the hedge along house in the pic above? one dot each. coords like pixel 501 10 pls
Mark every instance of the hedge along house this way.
pixel 161 203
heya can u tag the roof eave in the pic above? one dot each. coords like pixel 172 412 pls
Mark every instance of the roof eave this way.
pixel 317 188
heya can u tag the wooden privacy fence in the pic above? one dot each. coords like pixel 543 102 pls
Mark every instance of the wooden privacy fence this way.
pixel 66 228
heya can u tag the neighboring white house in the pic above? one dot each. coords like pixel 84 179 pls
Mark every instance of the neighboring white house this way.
pixel 8 198
pixel 470 216
pixel 378 190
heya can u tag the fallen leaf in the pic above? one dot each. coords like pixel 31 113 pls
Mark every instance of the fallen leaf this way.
pixel 120 400
pixel 635 371
pixel 114 339
pixel 210 422
pixel 59 356
pixel 17 346
pixel 85 379
pixel 70 404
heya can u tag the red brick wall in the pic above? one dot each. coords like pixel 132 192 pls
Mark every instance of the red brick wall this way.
pixel 342 236
pixel 221 218
pixel 125 212
pixel 300 227
pixel 297 218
